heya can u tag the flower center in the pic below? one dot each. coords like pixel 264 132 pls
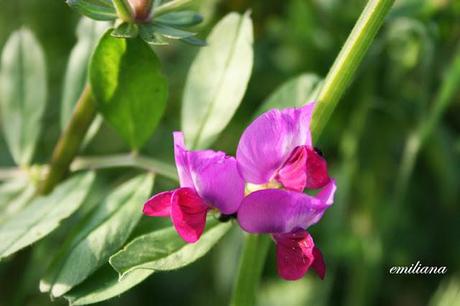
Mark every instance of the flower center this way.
pixel 250 188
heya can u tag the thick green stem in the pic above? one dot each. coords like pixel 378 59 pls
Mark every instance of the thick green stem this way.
pixel 70 141
pixel 125 160
pixel 337 81
pixel 124 10
pixel 350 57
pixel 251 266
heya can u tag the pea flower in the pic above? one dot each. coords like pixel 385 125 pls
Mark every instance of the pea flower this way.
pixel 208 180
pixel 276 158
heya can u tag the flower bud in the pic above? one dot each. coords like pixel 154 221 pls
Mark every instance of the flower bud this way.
pixel 141 9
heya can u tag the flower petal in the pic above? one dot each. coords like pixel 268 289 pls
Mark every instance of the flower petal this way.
pixel 180 155
pixel 296 253
pixel 188 214
pixel 317 176
pixel 159 205
pixel 293 173
pixel 218 181
pixel 282 211
pixel 270 139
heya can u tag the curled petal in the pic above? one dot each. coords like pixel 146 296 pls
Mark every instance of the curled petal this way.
pixel 212 174
pixel 159 205
pixel 182 164
pixel 293 174
pixel 282 211
pixel 267 143
pixel 188 214
pixel 316 169
pixel 218 181
pixel 296 253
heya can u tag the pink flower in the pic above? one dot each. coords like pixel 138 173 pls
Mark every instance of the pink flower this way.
pixel 276 157
pixel 208 179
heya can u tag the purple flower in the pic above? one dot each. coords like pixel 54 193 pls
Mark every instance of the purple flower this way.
pixel 208 179
pixel 276 158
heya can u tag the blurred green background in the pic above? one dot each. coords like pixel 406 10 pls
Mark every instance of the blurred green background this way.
pixel 384 215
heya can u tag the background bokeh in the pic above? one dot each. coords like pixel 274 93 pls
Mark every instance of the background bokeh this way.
pixel 385 214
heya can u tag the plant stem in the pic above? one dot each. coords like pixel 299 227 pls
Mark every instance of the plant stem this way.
pixel 70 141
pixel 169 6
pixel 344 68
pixel 125 160
pixel 250 270
pixel 337 81
pixel 124 10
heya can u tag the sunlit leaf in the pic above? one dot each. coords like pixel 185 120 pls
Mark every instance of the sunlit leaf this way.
pixel 103 285
pixel 88 33
pixel 130 90
pixel 94 9
pixel 44 215
pixel 98 237
pixel 217 80
pixel 164 250
pixel 293 93
pixel 22 94
pixel 14 196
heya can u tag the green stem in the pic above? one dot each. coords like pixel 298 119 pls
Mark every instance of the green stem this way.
pixel 350 57
pixel 337 81
pixel 125 160
pixel 250 270
pixel 70 141
pixel 124 10
pixel 169 7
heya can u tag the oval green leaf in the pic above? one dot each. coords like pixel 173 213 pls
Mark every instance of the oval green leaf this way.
pixel 44 214
pixel 217 80
pixel 164 250
pixel 22 94
pixel 129 88
pixel 94 9
pixel 99 237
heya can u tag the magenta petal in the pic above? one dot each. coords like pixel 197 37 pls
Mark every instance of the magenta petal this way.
pixel 292 174
pixel 280 211
pixel 318 263
pixel 188 214
pixel 295 254
pixel 317 176
pixel 159 205
pixel 270 139
pixel 218 181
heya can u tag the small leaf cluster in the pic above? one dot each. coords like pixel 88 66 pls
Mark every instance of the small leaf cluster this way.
pixel 162 22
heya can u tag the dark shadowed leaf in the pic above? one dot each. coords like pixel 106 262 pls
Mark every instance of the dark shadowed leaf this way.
pixel 44 214
pixel 94 9
pixel 130 90
pixel 126 30
pixel 181 19
pixel 217 80
pixel 98 237
pixel 22 94
pixel 164 250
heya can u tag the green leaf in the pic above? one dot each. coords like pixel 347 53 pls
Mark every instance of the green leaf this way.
pixel 130 90
pixel 99 237
pixel 22 94
pixel 181 19
pixel 170 32
pixel 88 33
pixel 164 250
pixel 94 9
pixel 103 285
pixel 194 41
pixel 295 92
pixel 14 196
pixel 126 30
pixel 44 214
pixel 148 34
pixel 217 80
